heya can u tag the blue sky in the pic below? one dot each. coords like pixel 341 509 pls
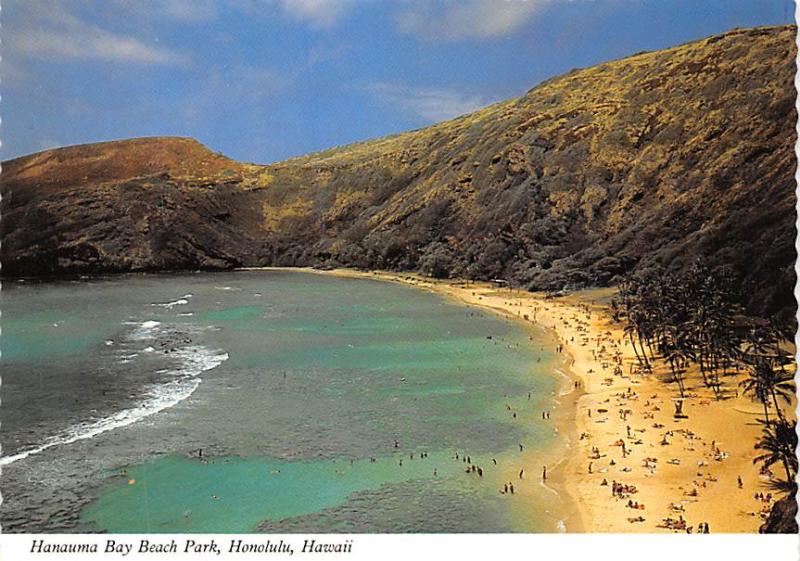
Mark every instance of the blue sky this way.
pixel 263 80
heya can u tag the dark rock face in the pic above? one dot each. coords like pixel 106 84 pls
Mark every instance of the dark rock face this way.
pixel 783 517
pixel 656 159
pixel 79 210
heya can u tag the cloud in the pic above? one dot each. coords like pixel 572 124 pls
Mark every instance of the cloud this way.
pixel 454 20
pixel 430 104
pixel 189 11
pixel 319 13
pixel 55 34
pixel 180 11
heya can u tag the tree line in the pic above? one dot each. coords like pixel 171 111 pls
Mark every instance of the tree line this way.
pixel 692 318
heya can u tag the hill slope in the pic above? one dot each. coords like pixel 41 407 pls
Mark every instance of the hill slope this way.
pixel 653 159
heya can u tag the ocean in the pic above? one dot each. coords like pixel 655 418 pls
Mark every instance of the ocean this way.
pixel 269 401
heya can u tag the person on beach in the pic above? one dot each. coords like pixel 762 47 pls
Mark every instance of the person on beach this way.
pixel 521 473
pixel 544 473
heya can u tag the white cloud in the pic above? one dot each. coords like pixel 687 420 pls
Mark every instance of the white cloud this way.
pixel 431 104
pixel 55 34
pixel 189 11
pixel 453 20
pixel 181 11
pixel 319 13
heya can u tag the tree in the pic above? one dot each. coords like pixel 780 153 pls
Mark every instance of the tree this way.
pixel 759 383
pixel 778 443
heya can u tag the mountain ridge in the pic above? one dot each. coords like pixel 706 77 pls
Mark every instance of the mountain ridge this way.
pixel 656 159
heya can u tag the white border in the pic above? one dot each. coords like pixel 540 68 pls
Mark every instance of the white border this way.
pixel 456 547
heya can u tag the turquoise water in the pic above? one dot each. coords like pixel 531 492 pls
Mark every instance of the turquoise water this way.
pixel 305 405
pixel 235 495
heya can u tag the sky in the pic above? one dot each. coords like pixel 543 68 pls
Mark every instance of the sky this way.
pixel 265 80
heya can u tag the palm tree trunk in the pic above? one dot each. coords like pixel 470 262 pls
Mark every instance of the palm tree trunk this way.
pixel 644 352
pixel 703 365
pixel 642 358
pixel 785 462
pixel 635 351
pixel 777 407
pixel 765 402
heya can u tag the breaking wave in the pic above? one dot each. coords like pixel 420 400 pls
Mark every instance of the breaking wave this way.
pixel 192 361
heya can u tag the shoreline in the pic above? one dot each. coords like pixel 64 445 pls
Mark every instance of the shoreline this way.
pixel 675 468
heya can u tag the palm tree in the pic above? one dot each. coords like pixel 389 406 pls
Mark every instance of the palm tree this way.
pixel 766 384
pixel 778 441
pixel 759 383
pixel 633 332
pixel 678 367
pixel 782 385
pixel 629 307
pixel 777 334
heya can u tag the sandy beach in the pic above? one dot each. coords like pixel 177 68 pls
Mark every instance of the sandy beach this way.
pixel 620 427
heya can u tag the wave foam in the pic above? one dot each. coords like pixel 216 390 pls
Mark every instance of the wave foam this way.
pixel 170 305
pixel 146 330
pixel 194 360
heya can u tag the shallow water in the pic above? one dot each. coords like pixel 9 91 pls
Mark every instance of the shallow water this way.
pixel 273 401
